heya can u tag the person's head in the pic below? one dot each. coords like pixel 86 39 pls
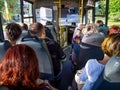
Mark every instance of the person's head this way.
pixel 94 39
pixel 13 32
pixel 19 66
pixel 90 28
pixel 49 23
pixel 37 29
pixel 111 45
pixel 114 29
pixel 99 22
pixel 24 26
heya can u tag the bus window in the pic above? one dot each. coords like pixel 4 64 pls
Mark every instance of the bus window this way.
pixel 27 12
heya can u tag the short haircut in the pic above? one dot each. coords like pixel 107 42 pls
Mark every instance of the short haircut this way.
pixel 37 26
pixel 99 21
pixel 111 45
pixel 13 31
pixel 24 26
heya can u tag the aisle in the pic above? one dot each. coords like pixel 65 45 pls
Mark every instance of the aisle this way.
pixel 67 75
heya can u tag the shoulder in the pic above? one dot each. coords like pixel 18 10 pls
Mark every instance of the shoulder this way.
pixel 91 61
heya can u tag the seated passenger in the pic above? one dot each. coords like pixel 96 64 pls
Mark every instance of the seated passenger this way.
pixel 93 67
pixel 54 48
pixel 13 32
pixel 110 46
pixel 114 29
pixel 24 28
pixel 19 70
pixel 89 48
pixel 102 27
pixel 88 29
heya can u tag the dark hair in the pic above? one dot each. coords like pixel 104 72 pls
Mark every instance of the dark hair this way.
pixel 24 26
pixel 19 66
pixel 99 21
pixel 13 31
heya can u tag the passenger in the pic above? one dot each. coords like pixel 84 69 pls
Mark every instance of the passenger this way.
pixel 90 28
pixel 78 33
pixel 102 27
pixel 77 37
pixel 90 48
pixel 24 29
pixel 13 33
pixel 79 63
pixel 24 26
pixel 110 46
pixel 48 33
pixel 50 30
pixel 114 29
pixel 94 67
pixel 19 70
pixel 54 48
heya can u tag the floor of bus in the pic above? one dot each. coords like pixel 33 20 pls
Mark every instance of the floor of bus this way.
pixel 67 74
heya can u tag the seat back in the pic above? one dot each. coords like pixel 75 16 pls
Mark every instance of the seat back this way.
pixel 112 74
pixel 53 32
pixel 3 88
pixel 3 48
pixel 24 33
pixel 102 84
pixel 44 60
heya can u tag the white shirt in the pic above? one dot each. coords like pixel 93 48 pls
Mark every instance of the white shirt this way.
pixel 90 73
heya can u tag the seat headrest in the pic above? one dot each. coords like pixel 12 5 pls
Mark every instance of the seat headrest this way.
pixel 112 69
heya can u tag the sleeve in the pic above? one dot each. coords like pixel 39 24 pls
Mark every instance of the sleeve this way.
pixel 80 76
pixel 93 70
pixel 60 54
pixel 83 75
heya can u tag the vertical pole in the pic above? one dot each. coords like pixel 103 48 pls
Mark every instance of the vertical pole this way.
pixel 79 7
pixel 21 6
pixel 82 12
pixel 93 14
pixel 107 9
pixel 1 29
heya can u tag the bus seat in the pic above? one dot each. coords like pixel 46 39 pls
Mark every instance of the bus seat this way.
pixel 102 84
pixel 3 48
pixel 44 60
pixel 3 88
pixel 24 33
pixel 112 74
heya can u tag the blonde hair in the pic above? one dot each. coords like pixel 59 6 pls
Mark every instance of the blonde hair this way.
pixel 90 28
pixel 111 45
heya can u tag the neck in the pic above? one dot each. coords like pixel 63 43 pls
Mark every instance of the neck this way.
pixel 105 59
pixel 13 43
